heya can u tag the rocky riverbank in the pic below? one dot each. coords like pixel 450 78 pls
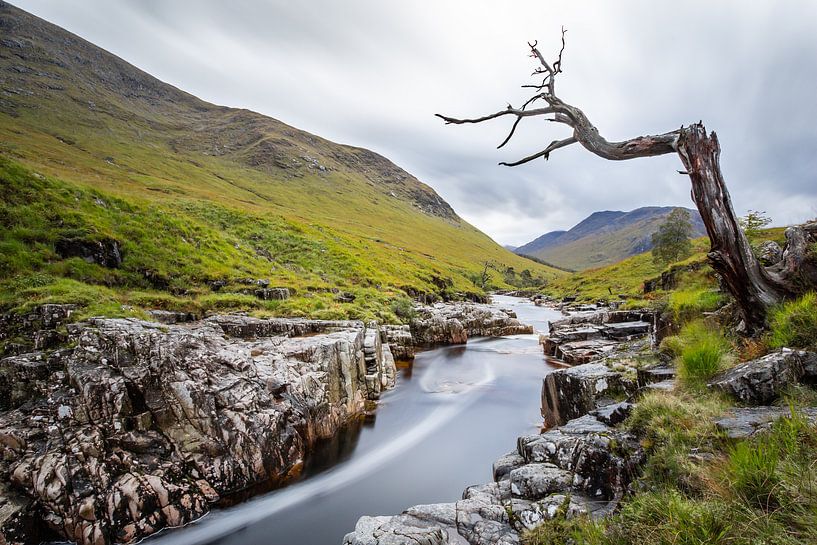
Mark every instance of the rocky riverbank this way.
pixel 583 466
pixel 115 428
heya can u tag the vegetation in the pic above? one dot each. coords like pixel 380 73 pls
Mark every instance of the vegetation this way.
pixel 753 224
pixel 794 323
pixel 699 487
pixel 671 242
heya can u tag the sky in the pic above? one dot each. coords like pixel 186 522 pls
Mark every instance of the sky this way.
pixel 372 73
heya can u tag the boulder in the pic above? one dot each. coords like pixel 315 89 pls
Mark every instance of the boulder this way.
pixel 744 422
pixel 105 252
pixel 574 392
pixel 760 381
pixel 770 253
pixel 453 323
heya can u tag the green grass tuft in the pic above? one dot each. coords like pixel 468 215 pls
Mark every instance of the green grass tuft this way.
pixel 794 323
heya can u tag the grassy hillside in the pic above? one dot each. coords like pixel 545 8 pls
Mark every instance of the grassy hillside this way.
pixel 93 149
pixel 604 238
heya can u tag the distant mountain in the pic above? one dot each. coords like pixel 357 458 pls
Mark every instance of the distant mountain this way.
pixel 509 247
pixel 604 237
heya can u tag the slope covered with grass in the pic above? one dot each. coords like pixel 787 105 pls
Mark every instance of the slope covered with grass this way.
pixel 198 195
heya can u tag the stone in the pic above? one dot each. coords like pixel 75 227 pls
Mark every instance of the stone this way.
pixel 614 413
pixel 142 425
pixel 770 253
pixel 399 340
pixel 504 465
pixel 170 316
pixel 742 423
pixel 570 393
pixel 105 252
pixel 272 294
pixel 537 480
pixel 453 323
pixel 760 381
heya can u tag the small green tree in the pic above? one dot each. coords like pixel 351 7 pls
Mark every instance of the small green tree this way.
pixel 671 241
pixel 753 222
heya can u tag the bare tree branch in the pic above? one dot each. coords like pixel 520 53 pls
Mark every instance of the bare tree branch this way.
pixel 507 111
pixel 556 144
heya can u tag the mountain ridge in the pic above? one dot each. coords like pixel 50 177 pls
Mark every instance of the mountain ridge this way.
pixel 604 237
pixel 231 194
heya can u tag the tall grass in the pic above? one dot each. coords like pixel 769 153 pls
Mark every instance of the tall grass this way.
pixel 794 324
pixel 700 352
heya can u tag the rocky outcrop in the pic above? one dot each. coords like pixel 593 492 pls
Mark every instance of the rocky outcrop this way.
pixel 399 340
pixel 106 252
pixel 574 392
pixel 141 426
pixel 582 468
pixel 588 335
pixel 38 329
pixel 453 323
pixel 761 381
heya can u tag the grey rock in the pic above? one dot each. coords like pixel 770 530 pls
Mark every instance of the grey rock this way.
pixel 537 480
pixel 453 323
pixel 614 413
pixel 741 423
pixel 143 425
pixel 105 252
pixel 570 393
pixel 770 253
pixel 760 381
pixel 504 465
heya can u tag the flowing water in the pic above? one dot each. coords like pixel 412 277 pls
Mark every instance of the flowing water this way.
pixel 453 412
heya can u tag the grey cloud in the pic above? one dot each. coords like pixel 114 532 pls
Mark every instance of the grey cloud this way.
pixel 372 73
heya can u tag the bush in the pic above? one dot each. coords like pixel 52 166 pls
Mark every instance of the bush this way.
pixel 794 324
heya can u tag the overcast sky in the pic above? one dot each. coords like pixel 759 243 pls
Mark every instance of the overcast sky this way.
pixel 372 73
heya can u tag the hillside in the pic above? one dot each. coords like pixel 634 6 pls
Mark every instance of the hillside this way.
pixel 603 238
pixel 202 201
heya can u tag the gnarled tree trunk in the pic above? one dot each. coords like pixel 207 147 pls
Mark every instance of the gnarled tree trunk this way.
pixel 754 288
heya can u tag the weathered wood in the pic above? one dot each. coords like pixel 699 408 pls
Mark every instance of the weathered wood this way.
pixel 754 288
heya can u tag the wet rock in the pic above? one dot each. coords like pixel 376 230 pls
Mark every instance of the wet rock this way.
pixel 760 381
pixel 399 340
pixel 453 323
pixel 574 392
pixel 614 413
pixel 105 252
pixel 142 425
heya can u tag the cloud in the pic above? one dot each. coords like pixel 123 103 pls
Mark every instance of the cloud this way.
pixel 372 73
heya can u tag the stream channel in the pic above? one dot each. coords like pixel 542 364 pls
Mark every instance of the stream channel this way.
pixel 452 413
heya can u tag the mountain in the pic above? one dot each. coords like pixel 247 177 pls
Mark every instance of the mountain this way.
pixel 604 237
pixel 121 192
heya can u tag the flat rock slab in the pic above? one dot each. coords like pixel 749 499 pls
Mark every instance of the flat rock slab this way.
pixel 760 381
pixel 742 423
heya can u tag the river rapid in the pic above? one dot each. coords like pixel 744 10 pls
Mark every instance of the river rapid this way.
pixel 452 412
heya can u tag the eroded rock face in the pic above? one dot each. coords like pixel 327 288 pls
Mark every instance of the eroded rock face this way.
pixel 574 392
pixel 142 426
pixel 453 323
pixel 760 381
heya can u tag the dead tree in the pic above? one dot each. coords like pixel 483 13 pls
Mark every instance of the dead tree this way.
pixel 755 288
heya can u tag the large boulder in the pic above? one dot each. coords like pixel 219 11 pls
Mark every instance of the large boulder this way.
pixel 453 323
pixel 574 392
pixel 760 381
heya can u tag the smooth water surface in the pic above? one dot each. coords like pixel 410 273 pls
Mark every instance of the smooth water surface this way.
pixel 453 412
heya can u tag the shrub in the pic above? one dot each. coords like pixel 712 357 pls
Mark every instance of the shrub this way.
pixel 403 308
pixel 794 323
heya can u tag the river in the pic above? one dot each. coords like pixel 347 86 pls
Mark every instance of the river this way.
pixel 453 412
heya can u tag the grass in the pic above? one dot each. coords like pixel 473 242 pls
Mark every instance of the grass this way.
pixel 794 323
pixel 197 193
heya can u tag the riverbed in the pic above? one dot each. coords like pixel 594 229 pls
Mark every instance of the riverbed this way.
pixel 452 412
